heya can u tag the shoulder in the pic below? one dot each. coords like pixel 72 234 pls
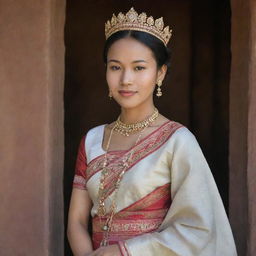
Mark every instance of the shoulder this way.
pixel 181 134
pixel 95 134
pixel 174 133
pixel 173 127
pixel 183 140
pixel 95 130
pixel 93 141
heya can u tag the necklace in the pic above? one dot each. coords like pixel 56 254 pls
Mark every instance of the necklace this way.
pixel 106 228
pixel 127 129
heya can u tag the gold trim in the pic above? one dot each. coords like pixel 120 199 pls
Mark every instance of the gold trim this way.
pixel 139 22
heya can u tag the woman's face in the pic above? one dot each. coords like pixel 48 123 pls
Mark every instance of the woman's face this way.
pixel 132 73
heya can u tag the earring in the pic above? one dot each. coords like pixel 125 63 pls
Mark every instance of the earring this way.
pixel 159 91
pixel 110 95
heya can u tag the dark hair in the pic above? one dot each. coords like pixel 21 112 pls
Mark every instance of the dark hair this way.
pixel 160 51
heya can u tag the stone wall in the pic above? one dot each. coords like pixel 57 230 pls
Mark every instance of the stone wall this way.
pixel 243 127
pixel 31 127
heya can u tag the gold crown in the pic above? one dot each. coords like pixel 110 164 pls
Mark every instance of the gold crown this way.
pixel 132 21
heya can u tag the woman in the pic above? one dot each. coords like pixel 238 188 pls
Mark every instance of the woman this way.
pixel 143 178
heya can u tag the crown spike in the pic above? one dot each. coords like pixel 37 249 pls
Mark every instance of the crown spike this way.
pixel 113 20
pixel 159 23
pixel 139 22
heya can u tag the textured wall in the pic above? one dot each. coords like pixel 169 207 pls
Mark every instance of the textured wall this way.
pixel 31 128
pixel 251 168
pixel 243 126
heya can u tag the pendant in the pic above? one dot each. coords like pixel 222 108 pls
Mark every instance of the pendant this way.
pixel 103 243
pixel 105 228
pixel 101 211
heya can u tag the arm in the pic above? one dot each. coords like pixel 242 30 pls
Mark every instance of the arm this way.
pixel 80 206
pixel 78 218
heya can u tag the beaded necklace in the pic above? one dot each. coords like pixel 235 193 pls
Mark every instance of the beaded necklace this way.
pixel 127 129
pixel 101 212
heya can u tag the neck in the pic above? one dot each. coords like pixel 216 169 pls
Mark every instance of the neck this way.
pixel 135 115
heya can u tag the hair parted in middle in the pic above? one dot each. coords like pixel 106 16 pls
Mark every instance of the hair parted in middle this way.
pixel 160 51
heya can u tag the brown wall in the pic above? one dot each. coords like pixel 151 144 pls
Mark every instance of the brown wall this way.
pixel 251 181
pixel 243 126
pixel 31 109
pixel 31 128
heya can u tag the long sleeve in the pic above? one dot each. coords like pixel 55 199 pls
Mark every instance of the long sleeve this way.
pixel 196 223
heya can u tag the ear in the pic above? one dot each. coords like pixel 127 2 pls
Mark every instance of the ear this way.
pixel 161 73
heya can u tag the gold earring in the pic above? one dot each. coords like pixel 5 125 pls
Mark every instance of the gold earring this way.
pixel 110 95
pixel 159 91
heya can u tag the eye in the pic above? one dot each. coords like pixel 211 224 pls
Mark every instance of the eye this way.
pixel 114 68
pixel 138 68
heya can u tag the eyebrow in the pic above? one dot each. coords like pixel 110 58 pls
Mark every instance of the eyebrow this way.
pixel 136 61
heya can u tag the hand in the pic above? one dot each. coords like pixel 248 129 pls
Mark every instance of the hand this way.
pixel 111 250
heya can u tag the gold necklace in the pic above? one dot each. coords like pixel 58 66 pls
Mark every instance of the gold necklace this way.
pixel 127 129
pixel 106 228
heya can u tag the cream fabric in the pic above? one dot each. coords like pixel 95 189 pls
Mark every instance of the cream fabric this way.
pixel 196 223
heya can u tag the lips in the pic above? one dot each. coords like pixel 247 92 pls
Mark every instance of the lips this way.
pixel 127 93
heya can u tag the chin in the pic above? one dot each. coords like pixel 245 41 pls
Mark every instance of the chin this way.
pixel 133 102
pixel 129 104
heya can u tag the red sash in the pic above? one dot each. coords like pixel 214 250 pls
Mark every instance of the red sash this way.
pixel 144 216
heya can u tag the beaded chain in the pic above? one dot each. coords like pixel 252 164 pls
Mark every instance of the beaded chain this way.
pixel 101 212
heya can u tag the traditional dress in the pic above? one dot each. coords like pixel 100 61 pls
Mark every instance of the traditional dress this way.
pixel 167 202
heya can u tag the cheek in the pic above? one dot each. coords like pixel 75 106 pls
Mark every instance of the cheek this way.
pixel 111 79
pixel 148 79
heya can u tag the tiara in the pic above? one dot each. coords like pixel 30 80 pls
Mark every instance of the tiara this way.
pixel 132 21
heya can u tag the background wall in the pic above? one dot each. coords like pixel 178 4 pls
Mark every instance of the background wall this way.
pixel 196 92
pixel 31 127
pixel 243 126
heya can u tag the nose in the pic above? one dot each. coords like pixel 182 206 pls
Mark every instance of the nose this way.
pixel 126 78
